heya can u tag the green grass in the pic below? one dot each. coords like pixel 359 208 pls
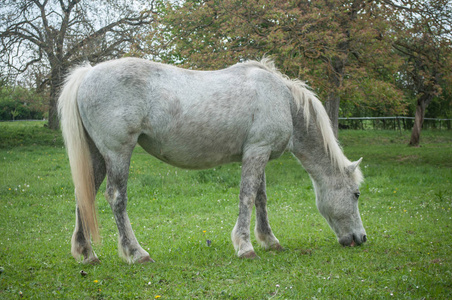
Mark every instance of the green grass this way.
pixel 405 204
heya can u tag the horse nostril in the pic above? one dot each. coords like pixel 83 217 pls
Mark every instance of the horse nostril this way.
pixel 364 238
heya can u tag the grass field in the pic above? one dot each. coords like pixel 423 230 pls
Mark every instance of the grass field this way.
pixel 406 207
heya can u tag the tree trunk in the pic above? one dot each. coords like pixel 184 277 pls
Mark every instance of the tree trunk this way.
pixel 335 75
pixel 55 82
pixel 332 109
pixel 54 122
pixel 422 103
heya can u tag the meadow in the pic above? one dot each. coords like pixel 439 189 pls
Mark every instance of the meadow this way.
pixel 405 204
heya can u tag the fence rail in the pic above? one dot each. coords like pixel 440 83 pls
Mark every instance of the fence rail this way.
pixel 396 123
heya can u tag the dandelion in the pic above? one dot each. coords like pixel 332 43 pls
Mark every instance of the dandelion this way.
pixel 204 231
pixel 158 296
pixel 9 189
pixel 96 281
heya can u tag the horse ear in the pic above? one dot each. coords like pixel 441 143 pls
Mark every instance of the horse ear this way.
pixel 351 168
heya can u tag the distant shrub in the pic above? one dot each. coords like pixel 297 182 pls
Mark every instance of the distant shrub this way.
pixel 19 103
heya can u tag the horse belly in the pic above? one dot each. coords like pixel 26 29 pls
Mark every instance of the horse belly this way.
pixel 193 151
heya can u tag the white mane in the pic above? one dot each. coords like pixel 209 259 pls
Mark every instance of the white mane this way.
pixel 306 99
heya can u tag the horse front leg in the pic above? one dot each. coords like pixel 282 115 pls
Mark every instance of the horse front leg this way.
pixel 252 176
pixel 263 231
pixel 116 195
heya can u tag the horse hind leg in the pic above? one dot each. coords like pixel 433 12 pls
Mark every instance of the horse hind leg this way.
pixel 263 231
pixel 81 245
pixel 116 194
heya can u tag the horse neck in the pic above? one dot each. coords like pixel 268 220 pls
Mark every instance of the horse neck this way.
pixel 309 147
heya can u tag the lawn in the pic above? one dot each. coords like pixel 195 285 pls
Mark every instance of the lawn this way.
pixel 405 204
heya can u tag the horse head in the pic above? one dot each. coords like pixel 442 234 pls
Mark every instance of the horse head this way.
pixel 337 201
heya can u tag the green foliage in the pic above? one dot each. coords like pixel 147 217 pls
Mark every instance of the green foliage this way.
pixel 21 103
pixel 373 98
pixel 405 204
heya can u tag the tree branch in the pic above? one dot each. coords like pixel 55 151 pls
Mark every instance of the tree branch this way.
pixel 135 21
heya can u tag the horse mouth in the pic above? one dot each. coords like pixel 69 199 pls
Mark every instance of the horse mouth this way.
pixel 352 240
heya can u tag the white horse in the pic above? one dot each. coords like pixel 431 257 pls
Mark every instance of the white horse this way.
pixel 247 113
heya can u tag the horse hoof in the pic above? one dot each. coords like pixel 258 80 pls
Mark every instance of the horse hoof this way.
pixel 277 247
pixel 144 260
pixel 250 255
pixel 91 261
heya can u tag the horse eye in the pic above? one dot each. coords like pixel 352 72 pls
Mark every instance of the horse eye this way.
pixel 357 195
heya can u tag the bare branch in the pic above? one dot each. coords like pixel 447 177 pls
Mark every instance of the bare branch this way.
pixel 27 65
pixel 142 19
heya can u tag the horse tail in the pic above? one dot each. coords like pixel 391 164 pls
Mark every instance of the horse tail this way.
pixel 76 141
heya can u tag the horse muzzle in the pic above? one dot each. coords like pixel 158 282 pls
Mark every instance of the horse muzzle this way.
pixel 352 240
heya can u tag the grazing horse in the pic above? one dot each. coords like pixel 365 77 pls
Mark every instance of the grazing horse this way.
pixel 248 113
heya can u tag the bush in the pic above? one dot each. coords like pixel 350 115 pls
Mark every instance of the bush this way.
pixel 20 103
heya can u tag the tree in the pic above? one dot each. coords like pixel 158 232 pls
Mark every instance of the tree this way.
pixel 329 43
pixel 59 34
pixel 424 40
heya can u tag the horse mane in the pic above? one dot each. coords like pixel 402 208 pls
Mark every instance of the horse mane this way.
pixel 304 98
